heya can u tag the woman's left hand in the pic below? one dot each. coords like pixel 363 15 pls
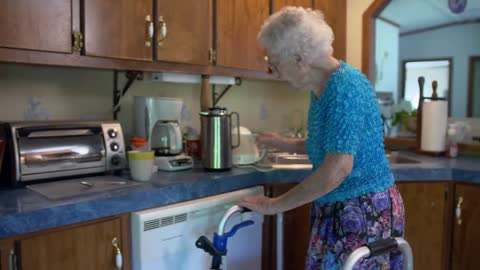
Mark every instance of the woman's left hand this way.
pixel 260 204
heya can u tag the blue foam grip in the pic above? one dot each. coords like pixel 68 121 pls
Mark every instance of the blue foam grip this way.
pixel 220 242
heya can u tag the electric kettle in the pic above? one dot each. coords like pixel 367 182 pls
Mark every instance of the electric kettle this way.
pixel 216 138
pixel 248 152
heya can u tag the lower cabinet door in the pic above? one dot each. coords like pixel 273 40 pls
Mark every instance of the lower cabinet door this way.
pixel 84 247
pixel 7 254
pixel 296 234
pixel 426 214
pixel 466 233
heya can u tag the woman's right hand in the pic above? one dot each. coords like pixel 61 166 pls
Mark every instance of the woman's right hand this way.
pixel 269 140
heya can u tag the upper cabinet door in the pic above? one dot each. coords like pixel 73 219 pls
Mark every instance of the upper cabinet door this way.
pixel 279 4
pixel 238 23
pixel 36 25
pixel 183 31
pixel 119 28
pixel 336 16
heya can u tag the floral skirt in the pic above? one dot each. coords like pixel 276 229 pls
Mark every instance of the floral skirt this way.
pixel 339 228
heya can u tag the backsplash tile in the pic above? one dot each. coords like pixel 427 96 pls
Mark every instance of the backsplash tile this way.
pixel 55 93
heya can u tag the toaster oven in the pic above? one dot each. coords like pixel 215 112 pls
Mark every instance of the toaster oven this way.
pixel 58 149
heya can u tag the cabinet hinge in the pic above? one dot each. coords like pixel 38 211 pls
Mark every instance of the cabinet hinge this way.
pixel 212 56
pixel 77 41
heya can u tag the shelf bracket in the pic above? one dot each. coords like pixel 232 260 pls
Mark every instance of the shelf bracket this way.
pixel 118 94
pixel 216 97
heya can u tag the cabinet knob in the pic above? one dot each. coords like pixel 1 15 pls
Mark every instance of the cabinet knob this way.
pixel 162 30
pixel 118 255
pixel 458 210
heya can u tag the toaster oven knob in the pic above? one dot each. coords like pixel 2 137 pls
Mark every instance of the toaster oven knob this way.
pixel 114 146
pixel 116 160
pixel 112 133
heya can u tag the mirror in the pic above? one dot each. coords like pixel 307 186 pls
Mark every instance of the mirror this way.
pixel 410 34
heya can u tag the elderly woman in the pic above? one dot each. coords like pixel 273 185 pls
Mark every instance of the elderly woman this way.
pixel 352 189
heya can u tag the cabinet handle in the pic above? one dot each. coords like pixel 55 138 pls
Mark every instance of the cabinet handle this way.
pixel 149 30
pixel 12 260
pixel 118 254
pixel 162 30
pixel 458 210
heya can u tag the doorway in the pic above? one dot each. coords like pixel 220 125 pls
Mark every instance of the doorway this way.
pixel 473 99
pixel 439 70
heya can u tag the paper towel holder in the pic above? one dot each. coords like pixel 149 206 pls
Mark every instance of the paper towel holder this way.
pixel 434 97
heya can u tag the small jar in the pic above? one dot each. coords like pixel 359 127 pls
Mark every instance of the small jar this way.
pixel 192 146
pixel 138 143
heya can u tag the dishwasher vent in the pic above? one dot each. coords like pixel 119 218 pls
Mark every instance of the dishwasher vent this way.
pixel 162 222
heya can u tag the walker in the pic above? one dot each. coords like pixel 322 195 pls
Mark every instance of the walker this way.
pixel 378 248
pixel 218 249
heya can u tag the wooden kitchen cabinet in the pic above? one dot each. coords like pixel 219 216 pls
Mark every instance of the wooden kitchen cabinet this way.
pixel 180 31
pixel 426 220
pixel 82 246
pixel 36 25
pixel 237 26
pixel 128 35
pixel 6 254
pixel 296 234
pixel 279 4
pixel 188 26
pixel 335 12
pixel 118 29
pixel 466 234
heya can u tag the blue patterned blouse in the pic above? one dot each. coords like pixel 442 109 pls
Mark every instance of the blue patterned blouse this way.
pixel 345 119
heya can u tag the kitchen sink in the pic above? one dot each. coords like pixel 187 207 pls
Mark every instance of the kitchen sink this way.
pixel 301 161
pixel 288 161
pixel 287 158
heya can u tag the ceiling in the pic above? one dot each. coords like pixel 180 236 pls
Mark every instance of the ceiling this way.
pixel 419 14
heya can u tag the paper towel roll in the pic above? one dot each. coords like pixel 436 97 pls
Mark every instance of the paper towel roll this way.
pixel 434 126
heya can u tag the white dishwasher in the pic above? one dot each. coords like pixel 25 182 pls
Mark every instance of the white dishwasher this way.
pixel 164 238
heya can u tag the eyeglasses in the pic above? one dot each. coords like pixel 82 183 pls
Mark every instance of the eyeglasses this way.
pixel 272 68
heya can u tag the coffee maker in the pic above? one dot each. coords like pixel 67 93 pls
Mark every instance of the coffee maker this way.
pixel 157 119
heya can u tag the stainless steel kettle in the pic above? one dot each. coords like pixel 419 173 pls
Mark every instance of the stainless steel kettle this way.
pixel 216 138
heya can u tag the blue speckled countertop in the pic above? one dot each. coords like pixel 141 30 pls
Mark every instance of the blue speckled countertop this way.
pixel 23 211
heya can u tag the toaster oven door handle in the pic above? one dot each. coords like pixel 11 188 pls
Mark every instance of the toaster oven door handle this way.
pixel 71 157
pixel 74 158
pixel 59 133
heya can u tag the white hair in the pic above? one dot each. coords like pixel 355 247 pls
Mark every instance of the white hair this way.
pixel 297 31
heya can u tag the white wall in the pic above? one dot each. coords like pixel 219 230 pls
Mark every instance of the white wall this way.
pixel 355 10
pixel 386 58
pixel 72 93
pixel 459 42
